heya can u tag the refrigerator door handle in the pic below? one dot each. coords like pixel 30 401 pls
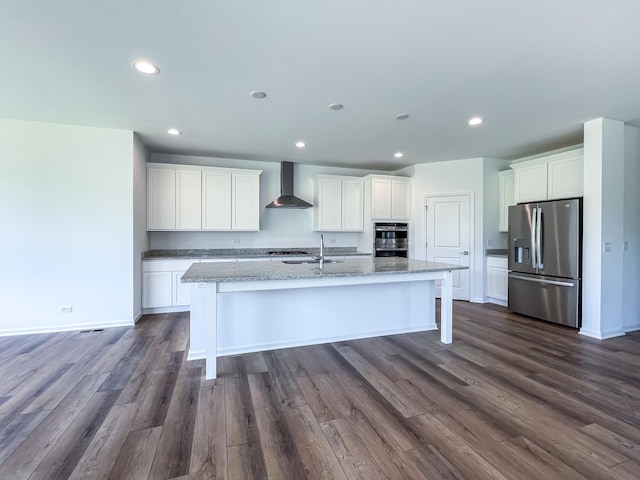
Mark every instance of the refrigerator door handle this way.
pixel 534 229
pixel 538 280
pixel 539 238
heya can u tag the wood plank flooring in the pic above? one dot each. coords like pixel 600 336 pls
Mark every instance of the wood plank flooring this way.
pixel 512 398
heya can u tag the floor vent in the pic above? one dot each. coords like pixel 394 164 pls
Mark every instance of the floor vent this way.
pixel 94 330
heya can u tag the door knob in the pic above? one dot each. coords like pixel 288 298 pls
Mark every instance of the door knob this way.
pixel 466 252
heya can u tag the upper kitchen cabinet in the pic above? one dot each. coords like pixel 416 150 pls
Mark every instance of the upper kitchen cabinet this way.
pixel 173 199
pixel 339 203
pixel 549 178
pixel 506 198
pixel 184 197
pixel 390 197
pixel 245 200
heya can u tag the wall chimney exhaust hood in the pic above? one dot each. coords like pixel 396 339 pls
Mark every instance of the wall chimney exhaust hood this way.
pixel 287 199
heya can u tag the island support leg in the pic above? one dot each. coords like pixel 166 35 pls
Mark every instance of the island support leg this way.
pixel 446 308
pixel 211 322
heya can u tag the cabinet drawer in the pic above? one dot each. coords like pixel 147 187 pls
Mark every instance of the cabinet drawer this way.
pixel 497 262
pixel 167 265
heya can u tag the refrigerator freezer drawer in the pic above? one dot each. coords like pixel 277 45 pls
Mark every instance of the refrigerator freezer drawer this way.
pixel 553 299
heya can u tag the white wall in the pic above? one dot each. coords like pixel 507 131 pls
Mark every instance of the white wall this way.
pixel 602 272
pixel 493 238
pixel 631 272
pixel 458 176
pixel 279 227
pixel 66 196
pixel 140 235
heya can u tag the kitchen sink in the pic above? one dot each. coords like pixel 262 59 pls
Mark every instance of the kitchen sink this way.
pixel 308 262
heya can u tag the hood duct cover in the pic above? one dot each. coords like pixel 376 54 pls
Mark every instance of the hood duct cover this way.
pixel 287 199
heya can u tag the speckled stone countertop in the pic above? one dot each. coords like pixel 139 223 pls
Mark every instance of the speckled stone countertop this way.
pixel 245 252
pixel 357 267
pixel 496 252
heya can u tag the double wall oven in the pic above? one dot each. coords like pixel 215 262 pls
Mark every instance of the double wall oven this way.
pixel 391 239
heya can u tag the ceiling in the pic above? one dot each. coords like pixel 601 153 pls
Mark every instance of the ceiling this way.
pixel 535 72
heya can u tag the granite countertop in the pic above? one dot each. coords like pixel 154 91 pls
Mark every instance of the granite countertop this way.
pixel 246 253
pixel 496 252
pixel 359 267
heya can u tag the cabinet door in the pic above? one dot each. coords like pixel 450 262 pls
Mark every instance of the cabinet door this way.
pixel 161 199
pixel 181 291
pixel 352 205
pixel 216 201
pixel 156 289
pixel 329 204
pixel 565 177
pixel 188 200
pixel 381 198
pixel 245 205
pixel 497 278
pixel 400 200
pixel 530 183
pixel 506 198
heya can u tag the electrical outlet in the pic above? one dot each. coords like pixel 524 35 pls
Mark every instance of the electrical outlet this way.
pixel 65 309
pixel 332 240
pixel 236 241
pixel 183 243
pixel 626 246
pixel 489 242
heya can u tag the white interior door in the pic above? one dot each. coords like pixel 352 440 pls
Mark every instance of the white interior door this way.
pixel 449 238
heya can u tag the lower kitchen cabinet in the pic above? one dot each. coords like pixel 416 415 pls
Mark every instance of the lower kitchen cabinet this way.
pixel 497 280
pixel 161 285
pixel 156 289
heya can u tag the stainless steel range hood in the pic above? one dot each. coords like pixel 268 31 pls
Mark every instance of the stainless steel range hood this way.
pixel 287 199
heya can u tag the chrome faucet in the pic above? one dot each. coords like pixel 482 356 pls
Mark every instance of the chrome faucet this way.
pixel 321 256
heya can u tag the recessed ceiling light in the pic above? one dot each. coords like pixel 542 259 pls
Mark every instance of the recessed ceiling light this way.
pixel 398 155
pixel 300 144
pixel 145 67
pixel 336 106
pixel 475 121
pixel 258 94
pixel 173 131
pixel 402 116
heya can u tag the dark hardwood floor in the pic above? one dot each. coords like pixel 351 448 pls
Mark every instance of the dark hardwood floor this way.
pixel 512 398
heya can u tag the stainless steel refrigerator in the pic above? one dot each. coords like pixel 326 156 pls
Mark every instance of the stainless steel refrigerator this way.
pixel 545 260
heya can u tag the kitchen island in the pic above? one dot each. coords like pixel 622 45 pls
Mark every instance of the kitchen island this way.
pixel 241 307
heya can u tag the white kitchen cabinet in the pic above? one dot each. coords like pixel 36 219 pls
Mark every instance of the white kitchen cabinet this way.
pixel 216 200
pixel 497 280
pixel 245 204
pixel 530 181
pixel 550 177
pixel 188 200
pixel 161 285
pixel 506 198
pixel 181 292
pixel 156 289
pixel 339 202
pixel 186 197
pixel 565 177
pixel 161 199
pixel 390 197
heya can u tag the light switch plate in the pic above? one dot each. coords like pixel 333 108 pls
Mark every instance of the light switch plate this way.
pixel 607 247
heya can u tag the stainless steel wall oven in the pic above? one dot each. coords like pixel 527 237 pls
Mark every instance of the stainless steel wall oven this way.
pixel 391 239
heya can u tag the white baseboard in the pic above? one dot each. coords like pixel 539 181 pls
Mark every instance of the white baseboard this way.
pixel 601 335
pixel 183 308
pixel 477 300
pixel 238 350
pixel 66 328
pixel 631 328
pixel 496 301
pixel 196 355
pixel 138 317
